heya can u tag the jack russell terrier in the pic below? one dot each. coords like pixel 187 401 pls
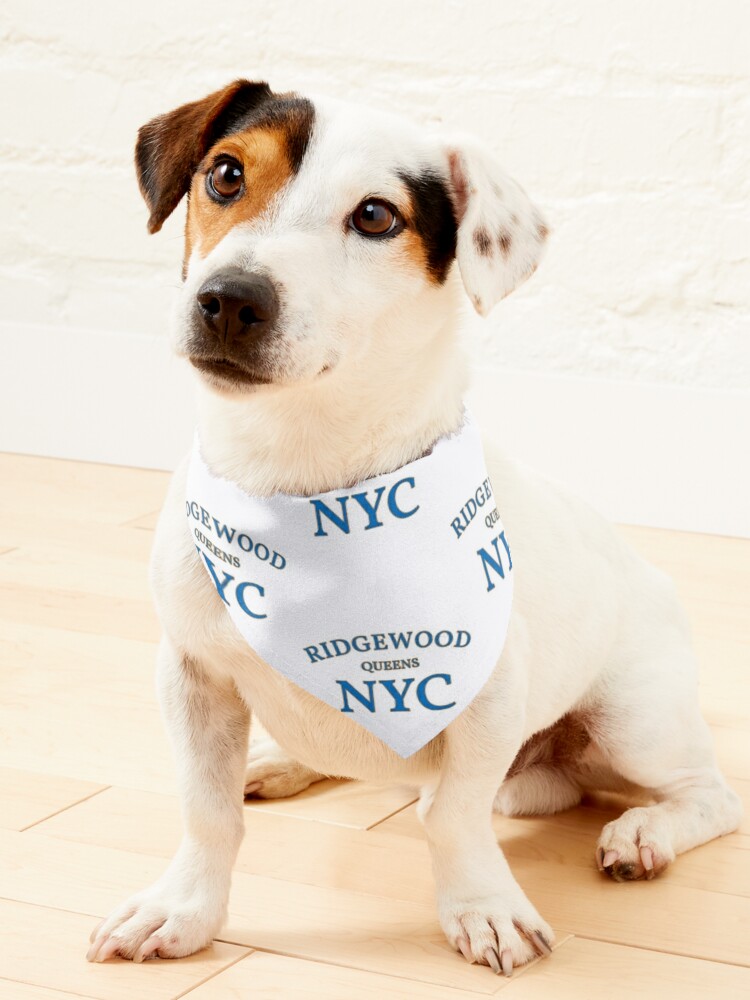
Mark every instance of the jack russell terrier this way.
pixel 320 308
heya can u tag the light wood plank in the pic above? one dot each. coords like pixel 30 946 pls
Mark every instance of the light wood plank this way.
pixel 357 804
pixel 712 576
pixel 339 926
pixel 583 968
pixel 732 751
pixel 391 860
pixel 45 948
pixel 19 528
pixel 571 893
pixel 147 522
pixel 570 838
pixel 27 991
pixel 312 882
pixel 79 611
pixel 275 846
pixel 27 798
pixel 712 566
pixel 71 701
pixel 276 977
pixel 325 923
pixel 63 568
pixel 82 491
pixel 68 732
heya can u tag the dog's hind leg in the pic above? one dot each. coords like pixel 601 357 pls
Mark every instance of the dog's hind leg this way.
pixel 652 733
pixel 538 791
pixel 541 780
pixel 272 774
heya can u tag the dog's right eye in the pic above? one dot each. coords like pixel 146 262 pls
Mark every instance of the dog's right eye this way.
pixel 224 180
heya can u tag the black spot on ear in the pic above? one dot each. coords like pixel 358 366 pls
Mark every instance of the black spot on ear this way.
pixel 433 219
pixel 482 242
pixel 504 241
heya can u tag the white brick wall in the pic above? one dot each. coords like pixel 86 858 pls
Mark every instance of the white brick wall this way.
pixel 628 121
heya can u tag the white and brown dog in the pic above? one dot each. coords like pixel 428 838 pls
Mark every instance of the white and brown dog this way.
pixel 320 309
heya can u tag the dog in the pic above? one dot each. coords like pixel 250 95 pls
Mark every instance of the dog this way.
pixel 326 246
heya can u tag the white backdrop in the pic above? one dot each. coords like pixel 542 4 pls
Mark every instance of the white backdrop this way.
pixel 623 367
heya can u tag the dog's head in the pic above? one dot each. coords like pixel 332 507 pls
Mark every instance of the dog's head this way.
pixel 311 226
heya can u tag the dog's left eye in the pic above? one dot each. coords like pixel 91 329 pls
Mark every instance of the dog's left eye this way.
pixel 374 217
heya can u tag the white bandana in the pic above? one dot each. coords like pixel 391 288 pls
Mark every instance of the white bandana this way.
pixel 389 601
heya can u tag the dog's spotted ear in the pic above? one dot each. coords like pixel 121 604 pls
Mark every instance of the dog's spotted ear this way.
pixel 501 234
pixel 170 147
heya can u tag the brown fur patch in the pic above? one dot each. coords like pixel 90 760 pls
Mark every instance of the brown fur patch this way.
pixel 560 745
pixel 264 155
pixel 482 242
pixel 504 241
pixel 542 231
pixel 170 147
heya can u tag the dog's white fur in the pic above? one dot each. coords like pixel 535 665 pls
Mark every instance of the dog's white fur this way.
pixel 594 629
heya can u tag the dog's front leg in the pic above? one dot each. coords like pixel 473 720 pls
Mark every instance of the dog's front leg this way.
pixel 183 910
pixel 484 912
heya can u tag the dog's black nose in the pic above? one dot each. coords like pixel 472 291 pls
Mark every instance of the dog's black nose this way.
pixel 234 304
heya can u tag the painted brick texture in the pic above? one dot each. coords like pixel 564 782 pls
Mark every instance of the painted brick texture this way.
pixel 629 123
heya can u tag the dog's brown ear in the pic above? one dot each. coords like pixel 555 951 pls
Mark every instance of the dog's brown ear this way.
pixel 501 234
pixel 170 147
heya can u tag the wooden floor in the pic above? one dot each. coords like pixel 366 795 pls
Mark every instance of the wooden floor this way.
pixel 332 895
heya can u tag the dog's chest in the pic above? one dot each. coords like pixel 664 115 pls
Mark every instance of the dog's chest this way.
pixel 197 622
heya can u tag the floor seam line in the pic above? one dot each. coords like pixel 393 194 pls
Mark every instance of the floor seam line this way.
pixel 56 989
pixel 220 972
pixel 71 805
pixel 664 951
pixel 355 968
pixel 394 813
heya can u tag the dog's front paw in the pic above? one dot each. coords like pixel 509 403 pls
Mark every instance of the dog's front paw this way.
pixel 272 774
pixel 156 924
pixel 497 931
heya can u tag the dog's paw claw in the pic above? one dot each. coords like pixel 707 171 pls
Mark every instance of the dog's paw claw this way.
pixel 541 943
pixel 506 962
pixel 463 947
pixel 149 949
pixel 647 860
pixel 491 958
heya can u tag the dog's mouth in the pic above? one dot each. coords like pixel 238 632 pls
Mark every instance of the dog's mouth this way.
pixel 223 370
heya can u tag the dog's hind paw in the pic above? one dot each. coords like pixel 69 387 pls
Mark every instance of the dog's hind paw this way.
pixel 273 774
pixel 636 845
